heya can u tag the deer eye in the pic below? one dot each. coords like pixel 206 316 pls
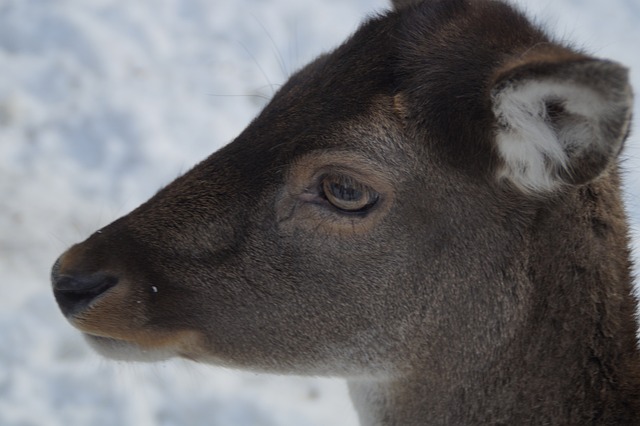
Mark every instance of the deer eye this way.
pixel 348 195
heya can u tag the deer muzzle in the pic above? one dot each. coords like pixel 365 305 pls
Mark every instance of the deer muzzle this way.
pixel 75 291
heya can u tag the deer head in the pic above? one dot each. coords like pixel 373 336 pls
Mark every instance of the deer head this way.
pixel 431 210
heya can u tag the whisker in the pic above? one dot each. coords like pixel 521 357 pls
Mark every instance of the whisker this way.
pixel 255 61
pixel 251 95
pixel 274 46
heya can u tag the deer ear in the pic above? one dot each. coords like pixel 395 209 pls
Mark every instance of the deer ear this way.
pixel 560 122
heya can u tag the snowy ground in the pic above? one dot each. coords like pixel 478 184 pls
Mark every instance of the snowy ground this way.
pixel 103 101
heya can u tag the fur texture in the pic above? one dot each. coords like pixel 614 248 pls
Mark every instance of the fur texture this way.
pixel 484 277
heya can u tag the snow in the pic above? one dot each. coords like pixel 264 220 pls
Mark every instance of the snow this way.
pixel 104 101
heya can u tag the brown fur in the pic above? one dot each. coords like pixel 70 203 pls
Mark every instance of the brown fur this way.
pixel 458 298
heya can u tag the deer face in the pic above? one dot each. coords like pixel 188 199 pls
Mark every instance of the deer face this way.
pixel 370 215
pixel 256 257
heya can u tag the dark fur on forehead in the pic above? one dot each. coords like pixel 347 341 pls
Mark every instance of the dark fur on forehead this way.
pixel 448 53
pixel 399 4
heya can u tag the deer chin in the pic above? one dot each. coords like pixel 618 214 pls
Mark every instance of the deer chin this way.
pixel 146 347
pixel 122 350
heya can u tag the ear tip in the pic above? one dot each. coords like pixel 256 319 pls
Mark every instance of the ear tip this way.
pixel 613 73
pixel 612 67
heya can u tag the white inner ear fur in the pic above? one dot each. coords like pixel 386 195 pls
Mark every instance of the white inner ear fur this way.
pixel 532 147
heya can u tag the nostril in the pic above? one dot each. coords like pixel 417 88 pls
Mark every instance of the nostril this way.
pixel 74 292
pixel 91 284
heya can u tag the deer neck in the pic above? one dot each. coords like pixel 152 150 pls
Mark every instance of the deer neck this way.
pixel 545 376
pixel 573 360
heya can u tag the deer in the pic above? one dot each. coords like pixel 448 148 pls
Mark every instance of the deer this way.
pixel 432 211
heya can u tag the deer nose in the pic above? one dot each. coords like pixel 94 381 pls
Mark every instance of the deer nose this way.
pixel 74 292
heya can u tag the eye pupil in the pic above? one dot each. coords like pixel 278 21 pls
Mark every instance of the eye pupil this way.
pixel 344 192
pixel 348 195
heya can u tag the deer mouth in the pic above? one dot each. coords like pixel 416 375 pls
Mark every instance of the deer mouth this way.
pixel 113 317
